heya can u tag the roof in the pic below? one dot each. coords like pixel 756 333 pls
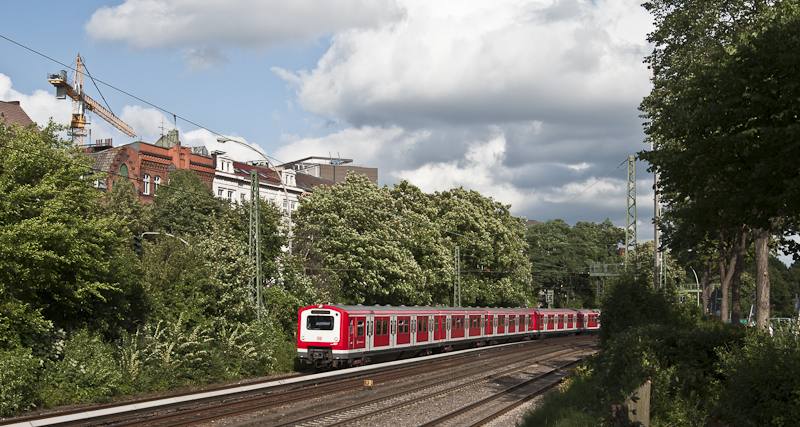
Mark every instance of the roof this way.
pixel 308 182
pixel 12 113
pixel 103 159
pixel 325 160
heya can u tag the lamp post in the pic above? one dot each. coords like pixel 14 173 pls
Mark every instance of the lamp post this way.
pixel 255 218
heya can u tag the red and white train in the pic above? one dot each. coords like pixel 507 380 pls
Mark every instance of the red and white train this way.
pixel 348 335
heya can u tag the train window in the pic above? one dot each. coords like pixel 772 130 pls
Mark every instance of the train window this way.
pixel 360 328
pixel 319 323
pixel 385 327
pixel 424 323
pixel 502 321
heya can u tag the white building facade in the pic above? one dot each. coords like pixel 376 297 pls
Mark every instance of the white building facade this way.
pixel 232 182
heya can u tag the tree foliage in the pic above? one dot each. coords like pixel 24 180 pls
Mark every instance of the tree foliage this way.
pixel 722 118
pixel 561 255
pixel 63 259
pixel 364 244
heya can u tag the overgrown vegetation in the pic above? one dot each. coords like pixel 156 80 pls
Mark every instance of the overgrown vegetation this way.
pixel 700 369
pixel 83 319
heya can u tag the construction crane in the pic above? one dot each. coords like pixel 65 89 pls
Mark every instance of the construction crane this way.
pixel 82 102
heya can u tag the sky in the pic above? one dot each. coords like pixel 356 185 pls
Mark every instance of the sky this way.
pixel 531 103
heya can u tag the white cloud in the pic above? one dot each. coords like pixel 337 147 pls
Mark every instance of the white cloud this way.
pixel 198 25
pixel 486 61
pixel 148 123
pixel 41 106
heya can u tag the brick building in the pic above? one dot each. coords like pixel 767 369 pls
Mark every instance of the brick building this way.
pixel 149 165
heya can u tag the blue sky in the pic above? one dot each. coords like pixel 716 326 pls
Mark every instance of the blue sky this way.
pixel 528 102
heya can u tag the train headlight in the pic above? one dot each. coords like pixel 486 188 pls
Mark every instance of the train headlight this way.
pixel 336 339
pixel 302 337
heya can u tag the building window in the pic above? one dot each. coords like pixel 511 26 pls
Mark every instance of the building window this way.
pixel 241 196
pixel 146 184
pixel 293 206
pixel 230 194
pixel 219 192
pixel 157 182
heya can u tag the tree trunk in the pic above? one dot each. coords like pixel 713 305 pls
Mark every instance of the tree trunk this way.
pixel 741 249
pixel 705 285
pixel 727 266
pixel 761 239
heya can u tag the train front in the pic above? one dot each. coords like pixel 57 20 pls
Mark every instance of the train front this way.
pixel 319 335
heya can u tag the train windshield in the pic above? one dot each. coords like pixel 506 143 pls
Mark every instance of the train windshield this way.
pixel 320 323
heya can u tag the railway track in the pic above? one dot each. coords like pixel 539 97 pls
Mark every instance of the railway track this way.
pixel 268 397
pixel 417 398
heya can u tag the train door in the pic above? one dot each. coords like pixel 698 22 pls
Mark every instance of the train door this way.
pixel 380 336
pixel 580 321
pixel 551 322
pixel 474 326
pixel 541 322
pixel 560 321
pixel 501 325
pixel 487 327
pixel 570 321
pixel 358 332
pixel 437 328
pixel 422 329
pixel 403 330
pixel 512 324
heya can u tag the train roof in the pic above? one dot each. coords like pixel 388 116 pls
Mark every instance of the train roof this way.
pixel 402 309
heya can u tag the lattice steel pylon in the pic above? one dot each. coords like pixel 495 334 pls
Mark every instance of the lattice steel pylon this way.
pixel 457 281
pixel 630 221
pixel 255 235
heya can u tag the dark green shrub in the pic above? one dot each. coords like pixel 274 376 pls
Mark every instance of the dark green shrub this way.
pixel 681 363
pixel 762 381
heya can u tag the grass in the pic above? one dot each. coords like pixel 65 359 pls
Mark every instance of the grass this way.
pixel 574 405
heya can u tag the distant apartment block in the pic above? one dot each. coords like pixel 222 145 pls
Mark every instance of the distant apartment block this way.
pixel 331 169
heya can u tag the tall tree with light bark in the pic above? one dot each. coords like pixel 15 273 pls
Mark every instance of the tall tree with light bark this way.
pixel 722 115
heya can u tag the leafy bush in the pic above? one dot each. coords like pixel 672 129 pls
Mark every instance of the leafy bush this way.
pixel 681 363
pixel 762 381
pixel 18 371
pixel 88 372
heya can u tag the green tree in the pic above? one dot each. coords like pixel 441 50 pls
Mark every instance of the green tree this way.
pixel 355 243
pixel 560 257
pixel 63 259
pixel 185 206
pixel 495 270
pixel 722 116
pixel 364 244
